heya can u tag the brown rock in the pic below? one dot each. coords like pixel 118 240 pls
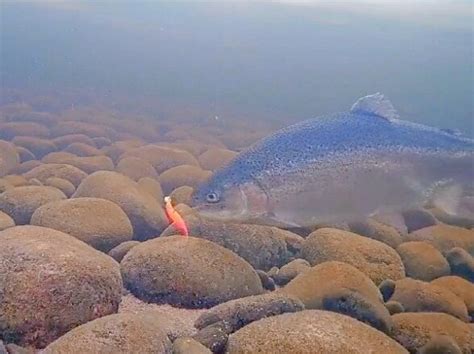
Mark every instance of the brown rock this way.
pixel 289 271
pixel 262 246
pixel 461 287
pixel 136 168
pixel 418 219
pixel 21 202
pixel 445 237
pixel 91 164
pixel 82 149
pixel 5 221
pixel 9 158
pixel 378 231
pixel 455 220
pixel 440 344
pixel 423 261
pixel 9 131
pixel 65 140
pixel 39 147
pixel 62 184
pixel 325 285
pixel 64 171
pixel 25 154
pixel 162 158
pixel 101 142
pixel 215 158
pixel 118 148
pixel 89 129
pixel 16 181
pixel 118 333
pixel 118 252
pixel 184 175
pixel 50 282
pixel 461 263
pixel 58 157
pixel 182 195
pixel 98 222
pixel 145 213
pixel 311 331
pixel 152 187
pixel 414 330
pixel 240 312
pixel 24 167
pixel 209 275
pixel 187 345
pixel 372 257
pixel 418 296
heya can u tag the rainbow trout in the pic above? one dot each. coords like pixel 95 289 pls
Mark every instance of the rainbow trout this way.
pixel 342 167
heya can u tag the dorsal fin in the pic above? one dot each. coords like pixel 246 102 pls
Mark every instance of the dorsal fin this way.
pixel 376 105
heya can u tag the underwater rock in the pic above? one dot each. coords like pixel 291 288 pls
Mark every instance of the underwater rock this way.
pixel 68 172
pixel 5 221
pixel 394 307
pixel 419 296
pixel 51 282
pixel 4 185
pixel 83 150
pixel 455 220
pixel 101 142
pixel 57 157
pixel 145 213
pixel 414 330
pixel 444 237
pixel 418 219
pixel 118 148
pixel 262 246
pixel 117 333
pixel 461 263
pixel 26 166
pixel 377 260
pixel 100 223
pixel 118 252
pixel 39 147
pixel 290 270
pixel 440 344
pixel 387 288
pixel 214 337
pixel 311 331
pixel 136 168
pixel 188 272
pixel 355 305
pixel 162 158
pixel 267 282
pixel 16 180
pixel 182 195
pixel 187 345
pixel 65 140
pixel 183 175
pixel 378 231
pixel 21 202
pixel 91 164
pixel 89 129
pixel 461 287
pixel 325 284
pixel 62 184
pixel 25 154
pixel 9 158
pixel 423 261
pixel 10 130
pixel 240 312
pixel 215 158
pixel 151 186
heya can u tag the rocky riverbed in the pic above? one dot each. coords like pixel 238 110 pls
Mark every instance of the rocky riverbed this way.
pixel 89 263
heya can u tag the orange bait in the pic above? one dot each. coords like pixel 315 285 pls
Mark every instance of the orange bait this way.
pixel 174 218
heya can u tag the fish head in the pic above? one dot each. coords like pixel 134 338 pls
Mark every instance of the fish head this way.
pixel 230 201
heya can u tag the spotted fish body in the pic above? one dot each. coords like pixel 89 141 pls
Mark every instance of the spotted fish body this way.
pixel 340 167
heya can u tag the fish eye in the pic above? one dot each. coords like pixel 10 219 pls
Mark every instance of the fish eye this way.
pixel 212 197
